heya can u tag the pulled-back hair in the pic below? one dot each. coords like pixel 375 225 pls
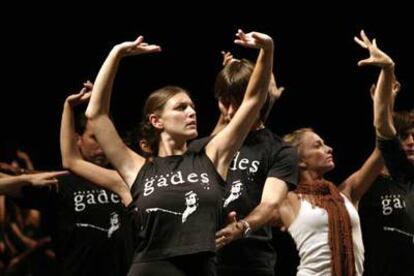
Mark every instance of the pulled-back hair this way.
pixel 231 83
pixel 294 138
pixel 155 105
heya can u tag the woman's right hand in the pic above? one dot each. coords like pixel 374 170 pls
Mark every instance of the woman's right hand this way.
pixel 137 47
pixel 254 40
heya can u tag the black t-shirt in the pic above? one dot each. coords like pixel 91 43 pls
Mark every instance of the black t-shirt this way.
pixel 262 155
pixel 400 168
pixel 387 230
pixel 85 224
pixel 179 199
pixel 387 215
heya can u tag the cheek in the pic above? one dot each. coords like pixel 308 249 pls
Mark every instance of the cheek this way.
pixel 172 121
pixel 314 158
pixel 177 119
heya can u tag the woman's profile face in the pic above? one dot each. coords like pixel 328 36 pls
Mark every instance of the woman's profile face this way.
pixel 314 154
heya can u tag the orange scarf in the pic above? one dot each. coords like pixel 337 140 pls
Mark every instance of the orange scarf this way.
pixel 325 195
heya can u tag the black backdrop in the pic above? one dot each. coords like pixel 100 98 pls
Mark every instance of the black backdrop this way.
pixel 48 52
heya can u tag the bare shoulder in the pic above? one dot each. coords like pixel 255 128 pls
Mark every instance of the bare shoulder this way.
pixel 293 199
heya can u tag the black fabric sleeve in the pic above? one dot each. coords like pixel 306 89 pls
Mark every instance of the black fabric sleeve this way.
pixel 285 166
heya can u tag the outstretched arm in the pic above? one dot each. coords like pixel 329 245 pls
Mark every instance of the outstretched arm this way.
pixel 395 159
pixel 224 145
pixel 72 159
pixel 383 98
pixel 359 182
pixel 125 161
pixel 11 185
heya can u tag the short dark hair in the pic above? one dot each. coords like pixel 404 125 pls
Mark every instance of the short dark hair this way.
pixel 403 122
pixel 231 83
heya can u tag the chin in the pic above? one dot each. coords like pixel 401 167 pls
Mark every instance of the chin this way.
pixel 193 134
pixel 330 167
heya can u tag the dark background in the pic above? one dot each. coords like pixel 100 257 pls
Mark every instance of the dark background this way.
pixel 49 51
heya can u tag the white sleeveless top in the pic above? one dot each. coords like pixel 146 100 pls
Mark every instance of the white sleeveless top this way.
pixel 310 232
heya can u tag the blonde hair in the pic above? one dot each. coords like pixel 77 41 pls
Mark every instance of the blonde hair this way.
pixel 295 137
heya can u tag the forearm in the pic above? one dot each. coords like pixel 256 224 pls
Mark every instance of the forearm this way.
pixel 68 139
pixel 258 85
pixel 274 193
pixel 383 103
pixel 261 216
pixel 101 95
pixel 10 185
pixel 102 177
pixel 3 175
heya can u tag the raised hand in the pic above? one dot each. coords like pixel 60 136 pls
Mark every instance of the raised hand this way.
pixel 81 97
pixel 137 47
pixel 376 56
pixel 254 40
pixel 228 58
pixel 88 85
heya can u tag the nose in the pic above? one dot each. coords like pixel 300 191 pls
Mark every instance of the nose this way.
pixel 411 139
pixel 191 111
pixel 329 149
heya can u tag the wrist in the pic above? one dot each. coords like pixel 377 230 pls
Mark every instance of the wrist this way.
pixel 390 66
pixel 24 179
pixel 245 228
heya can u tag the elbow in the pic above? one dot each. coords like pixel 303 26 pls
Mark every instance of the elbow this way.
pixel 66 164
pixel 93 117
pixel 90 115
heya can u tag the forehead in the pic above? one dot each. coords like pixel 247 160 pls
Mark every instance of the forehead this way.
pixel 407 134
pixel 179 98
pixel 310 137
pixel 227 99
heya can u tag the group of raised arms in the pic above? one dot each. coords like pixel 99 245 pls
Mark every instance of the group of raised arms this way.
pixel 211 206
